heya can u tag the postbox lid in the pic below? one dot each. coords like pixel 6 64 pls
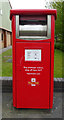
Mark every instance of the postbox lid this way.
pixel 33 12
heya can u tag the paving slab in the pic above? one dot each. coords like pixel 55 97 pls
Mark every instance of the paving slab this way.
pixel 9 61
pixel 8 111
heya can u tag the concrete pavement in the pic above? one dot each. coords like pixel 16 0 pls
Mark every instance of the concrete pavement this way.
pixel 8 111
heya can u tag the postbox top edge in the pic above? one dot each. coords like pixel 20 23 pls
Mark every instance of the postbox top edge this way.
pixel 33 12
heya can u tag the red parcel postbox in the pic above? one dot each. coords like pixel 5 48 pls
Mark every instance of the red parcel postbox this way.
pixel 33 57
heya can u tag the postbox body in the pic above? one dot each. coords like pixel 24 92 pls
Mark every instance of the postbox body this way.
pixel 33 58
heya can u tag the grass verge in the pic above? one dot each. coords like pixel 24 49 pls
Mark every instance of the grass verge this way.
pixel 7 67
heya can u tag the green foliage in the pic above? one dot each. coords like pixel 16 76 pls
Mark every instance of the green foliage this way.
pixel 63 21
pixel 59 46
pixel 58 4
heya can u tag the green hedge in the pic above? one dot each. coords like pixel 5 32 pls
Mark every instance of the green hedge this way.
pixel 59 46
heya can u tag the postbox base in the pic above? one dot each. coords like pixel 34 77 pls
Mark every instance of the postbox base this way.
pixel 32 107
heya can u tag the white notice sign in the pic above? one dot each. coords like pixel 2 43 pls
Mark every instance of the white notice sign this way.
pixel 32 54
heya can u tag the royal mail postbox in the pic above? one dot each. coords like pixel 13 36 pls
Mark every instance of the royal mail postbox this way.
pixel 33 57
